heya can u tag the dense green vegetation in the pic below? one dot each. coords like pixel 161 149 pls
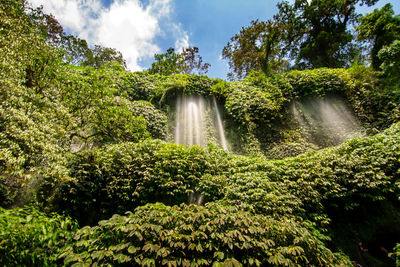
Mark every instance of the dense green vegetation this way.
pixel 89 175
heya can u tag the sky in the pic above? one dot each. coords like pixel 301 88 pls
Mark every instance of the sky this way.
pixel 141 28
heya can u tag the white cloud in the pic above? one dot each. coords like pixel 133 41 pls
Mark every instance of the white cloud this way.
pixel 126 25
pixel 181 38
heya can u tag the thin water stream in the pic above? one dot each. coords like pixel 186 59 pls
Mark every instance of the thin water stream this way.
pixel 192 115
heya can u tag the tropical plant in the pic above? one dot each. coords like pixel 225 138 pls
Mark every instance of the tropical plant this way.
pixel 192 235
pixel 31 238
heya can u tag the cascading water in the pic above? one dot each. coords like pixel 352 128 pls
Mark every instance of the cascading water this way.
pixel 196 123
pixel 190 121
pixel 330 116
pixel 221 131
pixel 194 116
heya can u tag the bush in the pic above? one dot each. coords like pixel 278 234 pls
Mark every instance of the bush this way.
pixel 396 254
pixel 192 235
pixel 255 191
pixel 317 82
pixel 9 187
pixel 128 175
pixel 290 149
pixel 156 121
pixel 373 99
pixel 341 177
pixel 30 238
pixel 247 103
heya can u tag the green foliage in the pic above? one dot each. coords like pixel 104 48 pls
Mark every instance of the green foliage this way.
pixel 380 28
pixel 30 123
pixel 290 149
pixel 167 64
pixel 390 56
pixel 279 210
pixel 128 175
pixel 47 107
pixel 258 102
pixel 193 62
pixel 318 32
pixel 99 114
pixel 373 100
pixel 256 48
pixel 194 235
pixel 254 190
pixel 9 187
pixel 317 82
pixel 254 99
pixel 312 34
pixel 161 90
pixel 101 55
pixel 188 61
pixel 302 187
pixel 156 121
pixel 221 87
pixel 30 238
pixel 396 254
pixel 362 168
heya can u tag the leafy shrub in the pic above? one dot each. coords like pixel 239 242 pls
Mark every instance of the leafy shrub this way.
pixel 99 114
pixel 390 56
pixel 139 85
pixel 30 238
pixel 290 149
pixel 317 82
pixel 247 103
pixel 340 177
pixel 127 175
pixel 158 89
pixel 396 254
pixel 373 100
pixel 9 188
pixel 255 191
pixel 31 120
pixel 195 235
pixel 156 121
pixel 256 106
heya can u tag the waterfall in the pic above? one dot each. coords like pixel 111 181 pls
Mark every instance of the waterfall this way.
pixel 330 117
pixel 190 121
pixel 221 132
pixel 194 115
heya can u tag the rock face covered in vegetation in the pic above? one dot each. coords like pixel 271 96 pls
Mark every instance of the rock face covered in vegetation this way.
pixel 86 180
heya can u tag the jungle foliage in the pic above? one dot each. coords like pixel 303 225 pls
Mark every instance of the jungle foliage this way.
pixel 312 34
pixel 85 180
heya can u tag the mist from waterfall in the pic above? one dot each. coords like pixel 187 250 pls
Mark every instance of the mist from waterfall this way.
pixel 330 116
pixel 194 116
pixel 221 131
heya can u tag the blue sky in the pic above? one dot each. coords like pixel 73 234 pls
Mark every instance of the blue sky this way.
pixel 140 28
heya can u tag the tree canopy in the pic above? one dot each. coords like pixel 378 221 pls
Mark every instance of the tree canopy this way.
pixel 380 27
pixel 188 61
pixel 257 47
pixel 306 34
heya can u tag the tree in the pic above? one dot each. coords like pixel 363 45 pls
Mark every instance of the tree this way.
pixel 102 54
pixel 390 57
pixel 380 28
pixel 193 62
pixel 310 34
pixel 77 51
pixel 167 63
pixel 48 25
pixel 318 34
pixel 188 62
pixel 256 47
